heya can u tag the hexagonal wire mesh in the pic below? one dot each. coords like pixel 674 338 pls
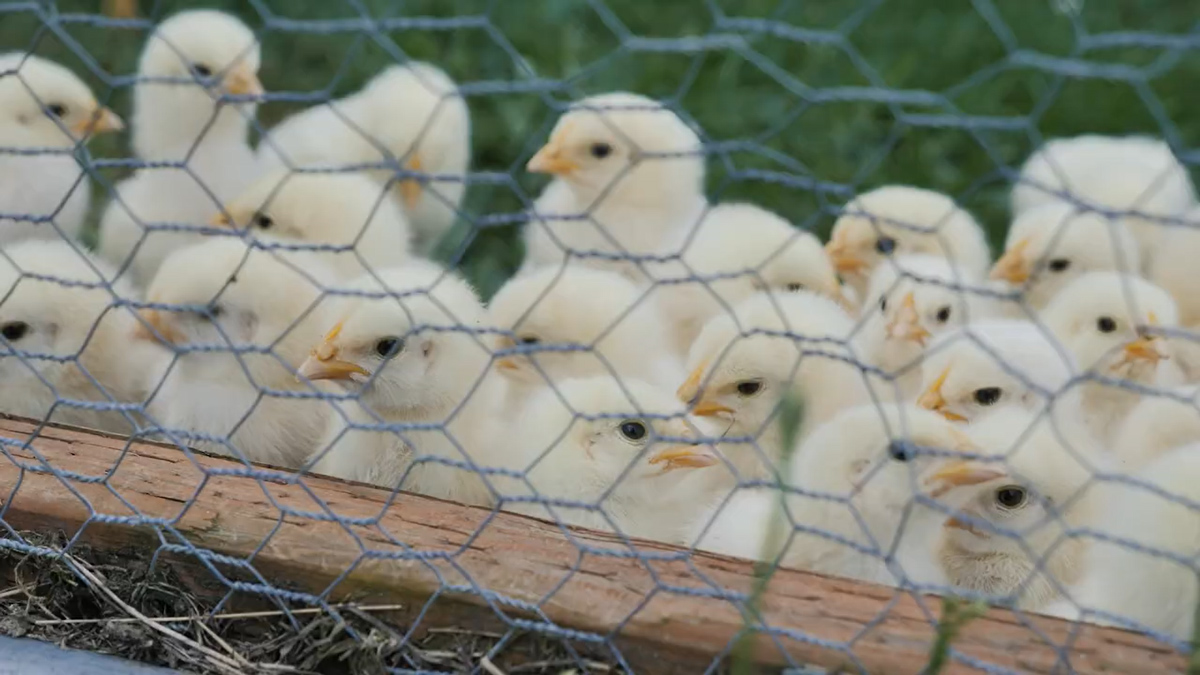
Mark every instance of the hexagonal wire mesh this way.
pixel 290 260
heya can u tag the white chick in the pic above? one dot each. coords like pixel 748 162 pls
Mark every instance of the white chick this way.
pixel 614 327
pixel 911 300
pixel 744 364
pixel 628 180
pixel 407 350
pixel 1157 424
pixel 616 447
pixel 237 319
pixel 182 115
pixel 1175 270
pixel 1108 321
pixel 737 250
pixel 348 211
pixel 987 366
pixel 65 339
pixel 1126 174
pixel 851 504
pixel 46 111
pixel 1016 508
pixel 897 219
pixel 410 114
pixel 1051 245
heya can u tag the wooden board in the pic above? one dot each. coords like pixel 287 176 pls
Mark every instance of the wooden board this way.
pixel 644 600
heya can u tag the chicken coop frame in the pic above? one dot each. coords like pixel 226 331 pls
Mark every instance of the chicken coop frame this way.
pixel 667 610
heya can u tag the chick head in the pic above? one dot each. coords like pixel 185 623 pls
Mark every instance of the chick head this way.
pixel 1108 321
pixel 917 298
pixel 897 219
pixel 623 147
pixel 978 369
pixel 404 341
pixel 223 293
pixel 587 321
pixel 743 364
pixel 46 105
pixel 207 54
pixel 1053 244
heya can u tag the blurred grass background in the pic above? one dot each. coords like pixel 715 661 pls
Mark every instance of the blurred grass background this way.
pixel 788 92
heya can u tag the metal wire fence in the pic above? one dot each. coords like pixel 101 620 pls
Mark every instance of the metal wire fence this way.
pixel 749 313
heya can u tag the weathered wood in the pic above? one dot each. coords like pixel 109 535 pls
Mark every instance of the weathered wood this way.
pixel 635 600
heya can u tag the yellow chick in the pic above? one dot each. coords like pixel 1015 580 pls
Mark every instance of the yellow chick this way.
pixel 411 115
pixel 45 110
pixel 404 346
pixel 628 181
pixel 897 219
pixel 347 211
pixel 65 354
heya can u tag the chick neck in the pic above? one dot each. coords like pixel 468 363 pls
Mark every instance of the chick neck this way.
pixel 174 123
pixel 1004 573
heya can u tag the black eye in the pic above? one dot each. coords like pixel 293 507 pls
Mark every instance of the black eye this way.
pixel 749 388
pixel 634 431
pixel 262 221
pixel 528 340
pixel 601 150
pixel 1059 265
pixel 899 451
pixel 57 109
pixel 793 287
pixel 389 347
pixel 943 315
pixel 988 395
pixel 1106 324
pixel 883 303
pixel 202 70
pixel 1011 497
pixel 885 245
pixel 14 330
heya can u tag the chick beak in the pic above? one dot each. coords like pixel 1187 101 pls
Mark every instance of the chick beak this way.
pixel 956 524
pixel 684 457
pixel 690 390
pixel 1145 348
pixel 1012 266
pixel 932 399
pixel 960 473
pixel 99 122
pixel 156 327
pixel 704 408
pixel 241 81
pixel 221 219
pixel 844 261
pixel 507 364
pixel 323 364
pixel 410 188
pixel 550 160
pixel 907 325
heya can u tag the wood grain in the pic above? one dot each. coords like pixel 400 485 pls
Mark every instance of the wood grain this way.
pixel 409 548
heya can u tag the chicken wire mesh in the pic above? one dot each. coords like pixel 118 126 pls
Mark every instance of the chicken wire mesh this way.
pixel 293 237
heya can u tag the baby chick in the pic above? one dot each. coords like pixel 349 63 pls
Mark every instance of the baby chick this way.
pixel 65 339
pixel 46 111
pixel 1016 507
pixel 343 210
pixel 1107 320
pixel 616 447
pixel 1052 244
pixel 1157 424
pixel 405 348
pixel 628 180
pixel 744 363
pixel 236 318
pixel 412 114
pixel 898 219
pixel 850 506
pixel 918 297
pixel 614 326
pixel 736 250
pixel 182 115
pixel 1136 176
pixel 973 371
pixel 1175 270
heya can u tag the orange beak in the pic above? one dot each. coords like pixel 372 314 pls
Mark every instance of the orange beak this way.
pixel 690 389
pixel 410 188
pixel 907 325
pixel 684 457
pixel 241 81
pixel 710 409
pixel 221 219
pixel 101 121
pixel 157 322
pixel 932 399
pixel 550 160
pixel 844 261
pixel 959 473
pixel 506 364
pixel 323 364
pixel 1012 266
pixel 1144 349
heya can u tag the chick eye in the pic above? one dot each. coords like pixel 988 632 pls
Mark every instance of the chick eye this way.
pixel 389 347
pixel 883 303
pixel 202 70
pixel 943 315
pixel 885 245
pixel 1106 324
pixel 987 395
pixel 1059 265
pixel 1011 496
pixel 634 431
pixel 263 221
pixel 749 388
pixel 14 330
pixel 600 150
pixel 899 451
pixel 794 287
pixel 528 340
pixel 57 110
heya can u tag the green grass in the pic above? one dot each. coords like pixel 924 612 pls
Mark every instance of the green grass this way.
pixel 765 88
